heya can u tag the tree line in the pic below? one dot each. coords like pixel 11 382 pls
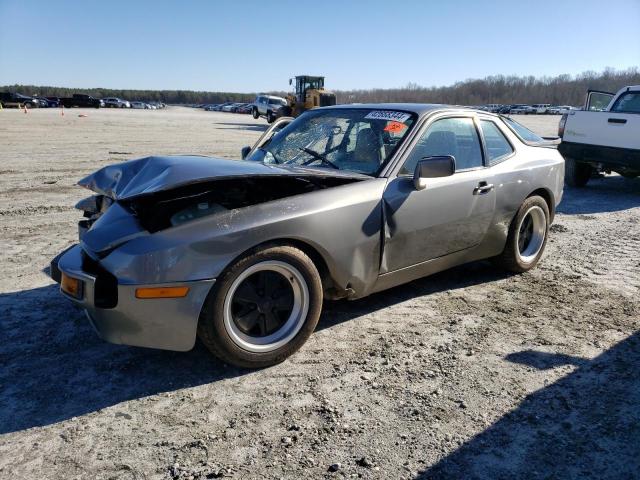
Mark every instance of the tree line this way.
pixel 558 90
pixel 501 89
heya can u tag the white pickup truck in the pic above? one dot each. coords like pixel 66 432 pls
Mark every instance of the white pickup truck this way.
pixel 604 137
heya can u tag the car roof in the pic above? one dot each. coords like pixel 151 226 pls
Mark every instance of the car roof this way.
pixel 418 108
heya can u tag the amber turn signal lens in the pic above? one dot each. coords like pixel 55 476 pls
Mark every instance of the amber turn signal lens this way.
pixel 71 286
pixel 162 292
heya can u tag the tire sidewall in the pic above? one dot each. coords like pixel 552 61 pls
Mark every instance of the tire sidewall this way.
pixel 515 225
pixel 213 314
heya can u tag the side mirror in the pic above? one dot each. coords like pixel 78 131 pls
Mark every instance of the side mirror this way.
pixel 433 167
pixel 244 153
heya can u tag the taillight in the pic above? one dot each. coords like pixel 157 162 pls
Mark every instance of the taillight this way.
pixel 563 122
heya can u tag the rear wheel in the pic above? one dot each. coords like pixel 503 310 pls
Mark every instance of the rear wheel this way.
pixel 271 117
pixel 576 174
pixel 263 308
pixel 527 236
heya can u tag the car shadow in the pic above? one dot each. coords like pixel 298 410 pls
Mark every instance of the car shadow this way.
pixel 610 193
pixel 256 127
pixel 463 276
pixel 584 425
pixel 54 366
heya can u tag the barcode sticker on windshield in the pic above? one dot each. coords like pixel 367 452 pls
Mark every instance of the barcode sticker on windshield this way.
pixel 388 115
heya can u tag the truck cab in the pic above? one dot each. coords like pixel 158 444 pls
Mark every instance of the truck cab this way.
pixel 603 137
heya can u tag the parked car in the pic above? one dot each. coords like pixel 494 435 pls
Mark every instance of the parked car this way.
pixel 139 105
pixel 114 102
pixel 268 106
pixel 492 107
pixel 41 101
pixel 604 137
pixel 521 109
pixel 53 101
pixel 541 108
pixel 244 108
pixel 342 202
pixel 562 109
pixel 17 100
pixel 81 100
pixel 230 107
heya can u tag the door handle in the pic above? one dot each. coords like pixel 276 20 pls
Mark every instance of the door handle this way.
pixel 482 188
pixel 617 120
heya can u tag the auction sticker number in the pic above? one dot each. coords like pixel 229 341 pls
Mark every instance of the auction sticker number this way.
pixel 388 115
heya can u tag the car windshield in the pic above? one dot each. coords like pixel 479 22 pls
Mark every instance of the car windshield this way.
pixel 355 139
pixel 277 101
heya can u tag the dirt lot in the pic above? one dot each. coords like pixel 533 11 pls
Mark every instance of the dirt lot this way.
pixel 471 373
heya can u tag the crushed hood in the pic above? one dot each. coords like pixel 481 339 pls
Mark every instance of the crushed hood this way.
pixel 155 174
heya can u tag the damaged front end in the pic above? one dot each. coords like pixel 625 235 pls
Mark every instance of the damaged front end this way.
pixel 175 223
pixel 92 208
pixel 164 192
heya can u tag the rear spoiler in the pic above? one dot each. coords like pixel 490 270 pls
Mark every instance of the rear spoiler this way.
pixel 549 142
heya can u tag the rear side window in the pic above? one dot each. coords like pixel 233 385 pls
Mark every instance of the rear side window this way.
pixel 523 132
pixel 498 147
pixel 627 103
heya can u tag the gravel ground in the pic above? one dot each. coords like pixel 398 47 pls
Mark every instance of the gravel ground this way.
pixel 471 373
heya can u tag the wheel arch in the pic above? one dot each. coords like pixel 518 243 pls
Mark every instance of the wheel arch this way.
pixel 548 197
pixel 329 285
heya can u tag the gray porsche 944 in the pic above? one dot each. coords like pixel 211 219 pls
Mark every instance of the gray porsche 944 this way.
pixel 341 202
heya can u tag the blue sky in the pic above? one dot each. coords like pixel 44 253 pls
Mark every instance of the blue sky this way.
pixel 257 45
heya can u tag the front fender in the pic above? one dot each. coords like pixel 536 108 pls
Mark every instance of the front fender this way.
pixel 341 223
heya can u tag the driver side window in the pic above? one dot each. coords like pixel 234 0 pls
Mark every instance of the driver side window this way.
pixel 450 136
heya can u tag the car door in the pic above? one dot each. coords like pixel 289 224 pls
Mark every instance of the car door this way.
pixel 615 128
pixel 452 213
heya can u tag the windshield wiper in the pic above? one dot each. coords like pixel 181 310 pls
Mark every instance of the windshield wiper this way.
pixel 317 156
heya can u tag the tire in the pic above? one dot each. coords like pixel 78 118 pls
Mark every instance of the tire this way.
pixel 254 113
pixel 270 117
pixel 235 328
pixel 576 174
pixel 527 236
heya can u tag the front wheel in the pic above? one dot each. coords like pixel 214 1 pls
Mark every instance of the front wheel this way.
pixel 576 174
pixel 254 113
pixel 263 308
pixel 527 236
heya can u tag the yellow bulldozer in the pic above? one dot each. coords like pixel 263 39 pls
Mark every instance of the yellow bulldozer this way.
pixel 309 93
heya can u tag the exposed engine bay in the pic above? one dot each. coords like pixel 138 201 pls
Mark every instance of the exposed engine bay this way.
pixel 169 208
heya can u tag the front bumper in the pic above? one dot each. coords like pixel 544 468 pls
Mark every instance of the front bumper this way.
pixel 166 323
